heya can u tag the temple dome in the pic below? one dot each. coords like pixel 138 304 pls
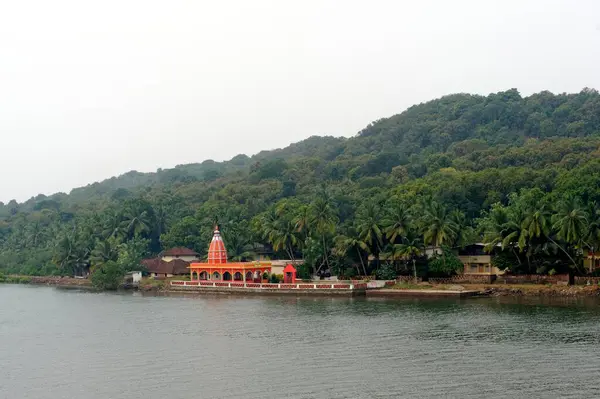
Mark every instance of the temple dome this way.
pixel 217 254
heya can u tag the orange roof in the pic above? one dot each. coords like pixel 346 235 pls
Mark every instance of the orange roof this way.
pixel 230 265
pixel 217 253
pixel 217 257
pixel 289 269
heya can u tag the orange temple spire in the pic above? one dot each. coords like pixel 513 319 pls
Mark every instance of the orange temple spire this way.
pixel 217 254
pixel 217 269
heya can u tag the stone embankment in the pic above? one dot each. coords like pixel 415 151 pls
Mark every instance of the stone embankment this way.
pixel 304 288
pixel 542 290
pixel 403 288
pixel 60 281
pixel 441 293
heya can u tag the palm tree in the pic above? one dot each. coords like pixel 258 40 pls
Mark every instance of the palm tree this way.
pixel 464 231
pixel 302 220
pixel 284 237
pixel 397 222
pixel 280 232
pixel 411 248
pixel 36 233
pixel 137 220
pixel 64 256
pixel 346 243
pixel 438 227
pixel 113 224
pixel 323 218
pixel 536 222
pixel 161 219
pixel 104 251
pixel 570 223
pixel 368 226
pixel 592 236
pixel 535 225
pixel 239 247
pixel 72 252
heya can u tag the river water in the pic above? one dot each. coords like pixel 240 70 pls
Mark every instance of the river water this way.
pixel 72 344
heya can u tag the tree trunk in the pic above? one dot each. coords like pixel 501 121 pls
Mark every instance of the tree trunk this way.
pixel 414 269
pixel 361 262
pixel 516 255
pixel 317 270
pixel 566 253
pixel 290 252
pixel 357 269
pixel 325 252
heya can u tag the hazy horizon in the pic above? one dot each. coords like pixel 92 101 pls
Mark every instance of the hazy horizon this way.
pixel 91 91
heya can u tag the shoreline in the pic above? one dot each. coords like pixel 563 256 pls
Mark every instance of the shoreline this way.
pixel 431 293
pixel 434 290
pixel 54 281
pixel 490 290
pixel 542 291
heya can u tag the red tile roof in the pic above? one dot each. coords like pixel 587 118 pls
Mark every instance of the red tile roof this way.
pixel 179 251
pixel 175 267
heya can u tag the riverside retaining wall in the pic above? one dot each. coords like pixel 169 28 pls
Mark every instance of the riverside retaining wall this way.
pixel 320 288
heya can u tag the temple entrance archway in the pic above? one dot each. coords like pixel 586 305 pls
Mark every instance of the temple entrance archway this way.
pixel 203 276
pixel 237 276
pixel 257 276
pixel 216 276
pixel 226 276
pixel 249 276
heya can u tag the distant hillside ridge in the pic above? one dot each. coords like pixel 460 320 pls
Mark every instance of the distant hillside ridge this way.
pixel 457 127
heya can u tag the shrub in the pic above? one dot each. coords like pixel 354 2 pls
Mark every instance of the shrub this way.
pixel 446 264
pixel 349 273
pixel 108 276
pixel 386 272
pixel 16 280
pixel 303 271
pixel 151 284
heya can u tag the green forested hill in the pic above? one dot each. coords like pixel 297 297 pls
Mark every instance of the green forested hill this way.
pixel 521 171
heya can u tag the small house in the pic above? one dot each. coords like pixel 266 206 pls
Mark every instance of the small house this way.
pixel 477 261
pixel 172 262
pixel 182 253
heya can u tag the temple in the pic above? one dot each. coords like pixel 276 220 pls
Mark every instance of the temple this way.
pixel 217 268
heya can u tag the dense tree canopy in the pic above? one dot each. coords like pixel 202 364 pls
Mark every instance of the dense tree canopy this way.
pixel 521 172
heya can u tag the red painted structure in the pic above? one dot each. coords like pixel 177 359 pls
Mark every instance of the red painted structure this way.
pixel 289 274
pixel 218 269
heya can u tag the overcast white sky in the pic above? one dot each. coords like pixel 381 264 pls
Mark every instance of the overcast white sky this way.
pixel 89 90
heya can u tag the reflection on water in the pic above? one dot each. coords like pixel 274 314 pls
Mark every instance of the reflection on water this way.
pixel 70 344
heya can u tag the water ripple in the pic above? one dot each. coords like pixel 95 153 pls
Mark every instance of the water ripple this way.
pixel 64 344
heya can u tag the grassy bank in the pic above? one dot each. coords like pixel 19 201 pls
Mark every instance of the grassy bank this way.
pixel 15 279
pixel 45 280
